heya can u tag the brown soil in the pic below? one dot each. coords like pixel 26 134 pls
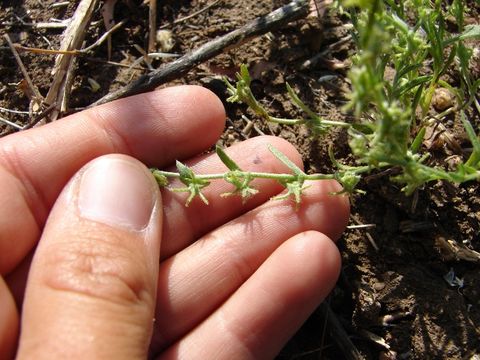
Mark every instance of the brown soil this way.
pixel 398 292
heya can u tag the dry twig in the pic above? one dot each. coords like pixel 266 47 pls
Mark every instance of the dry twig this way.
pixel 114 63
pixel 59 4
pixel 33 89
pixel 78 52
pixel 452 250
pixel 39 25
pixel 35 119
pixel 152 26
pixel 108 20
pixel 293 11
pixel 11 124
pixel 63 71
pixel 338 333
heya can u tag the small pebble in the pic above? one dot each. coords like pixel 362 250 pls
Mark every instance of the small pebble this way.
pixel 442 99
pixel 379 286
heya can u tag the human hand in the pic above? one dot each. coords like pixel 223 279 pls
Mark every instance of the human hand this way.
pixel 85 221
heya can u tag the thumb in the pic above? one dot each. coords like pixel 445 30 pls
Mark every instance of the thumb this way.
pixel 92 285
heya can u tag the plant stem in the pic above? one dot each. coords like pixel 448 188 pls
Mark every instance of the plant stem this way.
pixel 252 174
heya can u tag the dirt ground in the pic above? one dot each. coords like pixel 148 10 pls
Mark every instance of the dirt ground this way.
pixel 392 293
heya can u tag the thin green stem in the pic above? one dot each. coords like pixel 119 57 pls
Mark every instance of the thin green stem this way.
pixel 285 121
pixel 252 174
pixel 306 121
pixel 336 123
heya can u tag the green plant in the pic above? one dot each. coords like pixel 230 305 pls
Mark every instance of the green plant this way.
pixel 239 178
pixel 388 130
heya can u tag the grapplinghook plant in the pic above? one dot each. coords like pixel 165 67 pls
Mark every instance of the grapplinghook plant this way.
pixel 388 130
pixel 240 179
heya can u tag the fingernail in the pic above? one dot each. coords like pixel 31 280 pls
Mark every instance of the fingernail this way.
pixel 116 192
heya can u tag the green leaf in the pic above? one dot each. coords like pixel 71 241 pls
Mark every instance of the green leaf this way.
pixel 411 84
pixel 227 160
pixel 244 75
pixel 448 61
pixel 470 132
pixel 293 185
pixel 194 185
pixel 358 3
pixel 280 156
pixel 184 171
pixel 404 71
pixel 416 99
pixel 299 103
pixel 470 32
pixel 417 142
pixel 474 158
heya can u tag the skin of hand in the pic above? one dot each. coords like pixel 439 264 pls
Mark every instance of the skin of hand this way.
pixel 96 262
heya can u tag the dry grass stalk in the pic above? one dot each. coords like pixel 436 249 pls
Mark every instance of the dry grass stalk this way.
pixel 33 93
pixel 152 26
pixel 62 72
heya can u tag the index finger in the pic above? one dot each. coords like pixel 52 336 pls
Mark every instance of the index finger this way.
pixel 156 128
